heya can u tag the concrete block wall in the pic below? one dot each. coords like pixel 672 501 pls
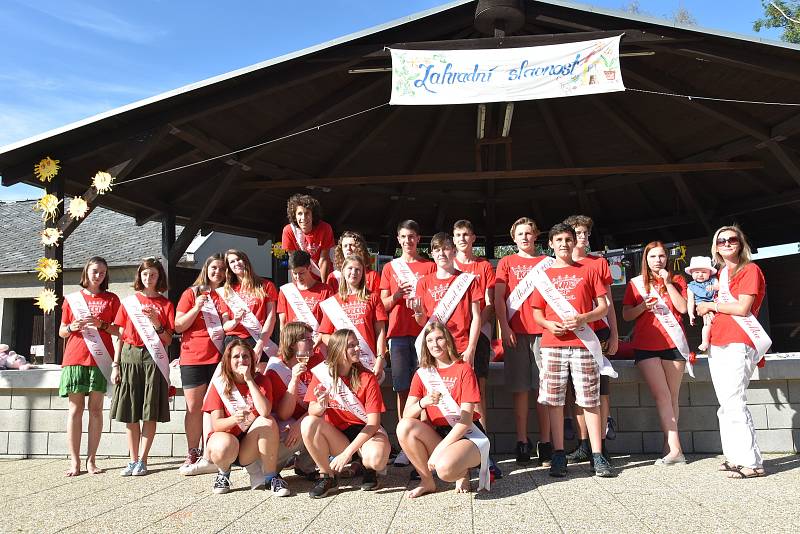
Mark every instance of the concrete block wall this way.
pixel 33 417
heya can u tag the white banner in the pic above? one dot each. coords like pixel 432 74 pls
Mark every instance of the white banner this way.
pixel 426 77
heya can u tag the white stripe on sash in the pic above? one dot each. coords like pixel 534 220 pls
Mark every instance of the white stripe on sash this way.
pixel 564 309
pixel 147 333
pixel 234 402
pixel 301 242
pixel 342 394
pixel 276 364
pixel 299 305
pixel 91 335
pixel 333 309
pixel 249 320
pixel 405 274
pixel 445 308
pixel 452 412
pixel 671 325
pixel 749 324
pixel 525 287
pixel 213 323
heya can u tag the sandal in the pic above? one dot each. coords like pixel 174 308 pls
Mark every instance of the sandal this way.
pixel 727 466
pixel 740 474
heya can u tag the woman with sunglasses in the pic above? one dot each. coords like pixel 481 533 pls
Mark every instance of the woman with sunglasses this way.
pixel 738 344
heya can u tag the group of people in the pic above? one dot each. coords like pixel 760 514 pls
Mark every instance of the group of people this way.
pixel 313 401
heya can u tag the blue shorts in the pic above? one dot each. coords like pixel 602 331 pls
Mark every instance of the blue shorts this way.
pixel 404 361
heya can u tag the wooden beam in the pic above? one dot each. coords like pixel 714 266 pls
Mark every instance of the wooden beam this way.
pixel 789 198
pixel 665 168
pixel 357 143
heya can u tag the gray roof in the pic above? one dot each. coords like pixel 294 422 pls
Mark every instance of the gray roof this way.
pixel 104 233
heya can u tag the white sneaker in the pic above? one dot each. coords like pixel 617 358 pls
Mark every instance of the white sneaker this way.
pixel 200 467
pixel 279 488
pixel 128 469
pixel 401 460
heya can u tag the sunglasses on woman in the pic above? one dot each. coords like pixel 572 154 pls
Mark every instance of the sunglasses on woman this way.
pixel 732 240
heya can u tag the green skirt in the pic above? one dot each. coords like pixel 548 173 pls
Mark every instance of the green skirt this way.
pixel 142 393
pixel 81 379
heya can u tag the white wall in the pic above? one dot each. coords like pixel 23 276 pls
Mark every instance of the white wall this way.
pixel 215 242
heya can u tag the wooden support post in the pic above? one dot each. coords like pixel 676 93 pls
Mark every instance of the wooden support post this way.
pixel 167 242
pixel 53 346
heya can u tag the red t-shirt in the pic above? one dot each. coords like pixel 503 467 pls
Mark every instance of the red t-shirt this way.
pixel 373 282
pixel 483 269
pixel 320 238
pixel 401 317
pixel 363 314
pixel 279 388
pixel 580 285
pixel 369 393
pixel 431 290
pixel 104 306
pixel 510 270
pixel 648 334
pixel 196 345
pixel 599 264
pixel 214 401
pixel 461 383
pixel 256 304
pixel 166 316
pixel 748 281
pixel 313 297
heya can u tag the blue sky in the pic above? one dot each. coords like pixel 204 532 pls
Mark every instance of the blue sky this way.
pixel 65 60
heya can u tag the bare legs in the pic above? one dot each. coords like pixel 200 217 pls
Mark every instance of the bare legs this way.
pixel 664 378
pixel 140 438
pixel 193 420
pixel 74 424
pixel 260 443
pixel 322 440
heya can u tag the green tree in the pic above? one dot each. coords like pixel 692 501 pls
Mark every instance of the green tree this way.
pixel 781 14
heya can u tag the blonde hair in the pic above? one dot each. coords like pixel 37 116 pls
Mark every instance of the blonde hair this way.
pixel 745 255
pixel 526 221
pixel 291 333
pixel 426 359
pixel 337 350
pixel 362 285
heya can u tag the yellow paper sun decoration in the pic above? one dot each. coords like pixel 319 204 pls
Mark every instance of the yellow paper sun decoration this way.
pixel 102 181
pixel 47 269
pixel 78 207
pixel 48 205
pixel 46 169
pixel 277 250
pixel 50 237
pixel 47 300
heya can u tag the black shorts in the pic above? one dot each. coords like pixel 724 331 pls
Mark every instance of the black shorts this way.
pixel 443 430
pixel 352 431
pixel 666 354
pixel 605 385
pixel 483 354
pixel 193 376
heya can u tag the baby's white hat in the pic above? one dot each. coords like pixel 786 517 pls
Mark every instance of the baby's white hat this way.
pixel 700 262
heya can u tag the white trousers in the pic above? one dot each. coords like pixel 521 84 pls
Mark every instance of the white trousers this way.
pixel 731 367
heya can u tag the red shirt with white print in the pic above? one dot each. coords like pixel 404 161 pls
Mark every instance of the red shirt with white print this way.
pixel 362 313
pixel 320 238
pixel 748 281
pixel 166 317
pixel 401 317
pixel 431 289
pixel 485 273
pixel 214 402
pixel 648 333
pixel 369 393
pixel 510 270
pixel 197 348
pixel 104 306
pixel 461 383
pixel 279 388
pixel 313 296
pixel 256 304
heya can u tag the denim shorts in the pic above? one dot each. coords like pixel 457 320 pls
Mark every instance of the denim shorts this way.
pixel 404 361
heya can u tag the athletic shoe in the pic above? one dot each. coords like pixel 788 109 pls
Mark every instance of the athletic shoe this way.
pixel 140 469
pixel 310 476
pixel 222 484
pixel 678 460
pixel 569 430
pixel 401 460
pixel 128 469
pixel 324 486
pixel 582 453
pixel 369 480
pixel 611 429
pixel 191 458
pixel 544 450
pixel 278 487
pixel 601 466
pixel 200 467
pixel 558 465
pixel 494 469
pixel 524 452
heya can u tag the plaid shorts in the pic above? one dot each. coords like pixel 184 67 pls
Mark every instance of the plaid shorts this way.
pixel 557 365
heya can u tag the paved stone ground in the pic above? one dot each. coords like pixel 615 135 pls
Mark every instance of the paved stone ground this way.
pixel 643 498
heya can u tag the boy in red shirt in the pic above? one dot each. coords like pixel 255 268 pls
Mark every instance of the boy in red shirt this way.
pixel 307 231
pixel 577 291
pixel 312 290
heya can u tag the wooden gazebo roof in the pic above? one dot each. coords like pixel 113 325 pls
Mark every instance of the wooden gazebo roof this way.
pixel 644 166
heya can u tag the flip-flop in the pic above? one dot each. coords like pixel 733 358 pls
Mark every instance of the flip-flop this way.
pixel 739 474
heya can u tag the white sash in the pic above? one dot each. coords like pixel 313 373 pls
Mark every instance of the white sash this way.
pixel 564 309
pixel 213 323
pixel 232 402
pixel 249 319
pixel 452 412
pixel 299 305
pixel 342 394
pixel 147 332
pixel 525 287
pixel 445 308
pixel 750 325
pixel 276 364
pixel 667 320
pixel 333 309
pixel 405 274
pixel 338 276
pixel 301 242
pixel 90 334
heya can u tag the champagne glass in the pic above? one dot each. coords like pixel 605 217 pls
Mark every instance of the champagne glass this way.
pixel 203 290
pixel 302 357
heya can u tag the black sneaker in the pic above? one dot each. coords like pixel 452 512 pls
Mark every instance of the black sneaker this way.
pixel 582 453
pixel 558 465
pixel 611 429
pixel 544 450
pixel 495 470
pixel 369 480
pixel 325 485
pixel 524 452
pixel 222 484
pixel 311 477
pixel 601 466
